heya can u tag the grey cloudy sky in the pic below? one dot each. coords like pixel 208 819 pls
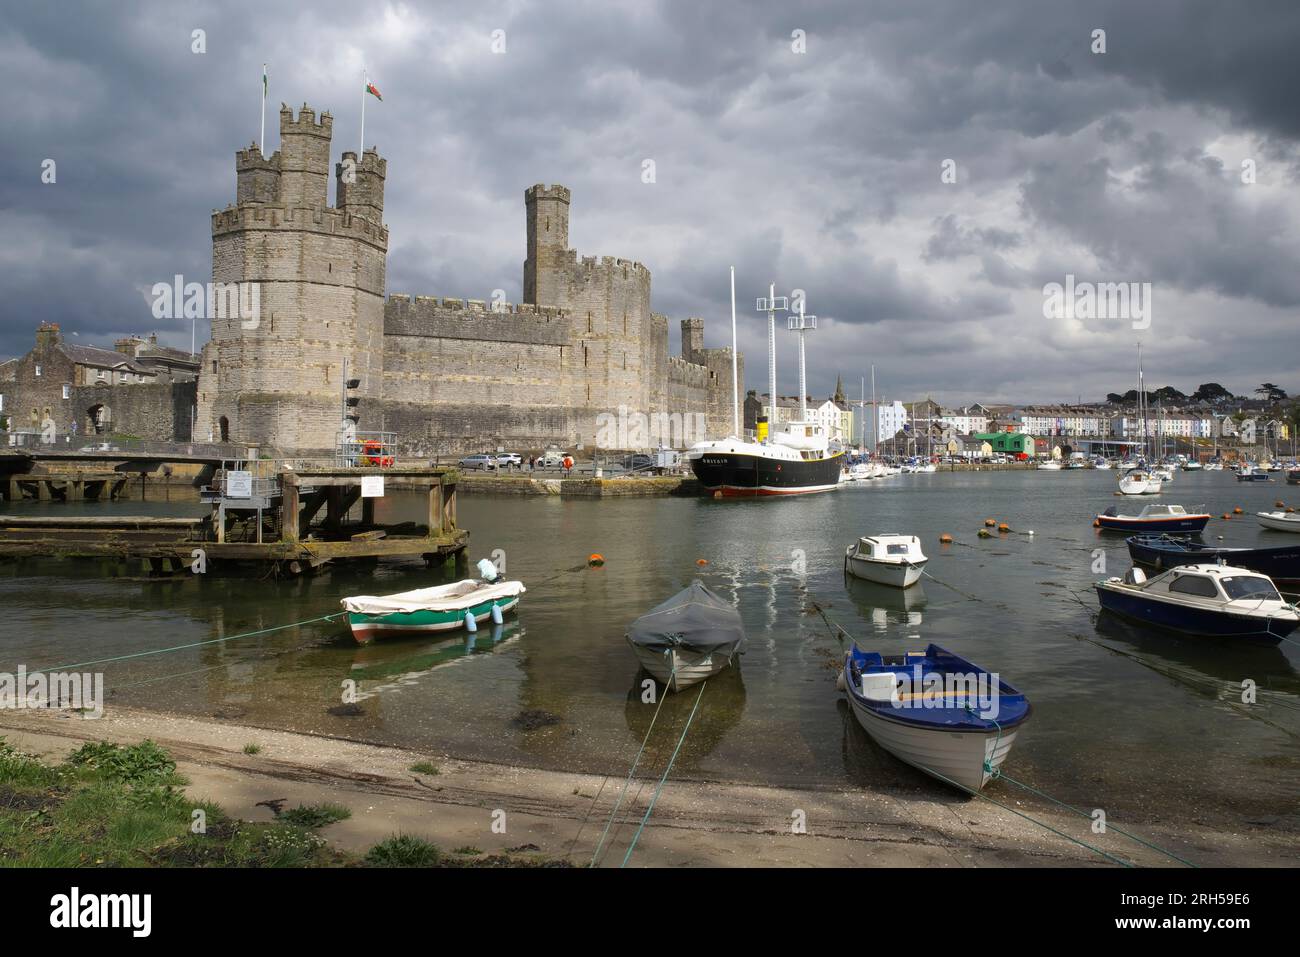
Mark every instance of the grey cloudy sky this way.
pixel 819 170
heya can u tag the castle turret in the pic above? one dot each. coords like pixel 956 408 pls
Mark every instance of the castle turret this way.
pixel 258 178
pixel 304 157
pixel 547 212
pixel 693 340
pixel 360 186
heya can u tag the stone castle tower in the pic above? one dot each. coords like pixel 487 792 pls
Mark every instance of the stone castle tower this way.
pixel 608 300
pixel 275 378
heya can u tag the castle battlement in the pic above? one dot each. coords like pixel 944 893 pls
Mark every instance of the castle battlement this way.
pixel 273 216
pixel 252 159
pixel 305 123
pixel 430 304
pixel 371 162
pixel 541 191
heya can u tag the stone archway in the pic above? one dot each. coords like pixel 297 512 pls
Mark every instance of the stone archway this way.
pixel 224 424
pixel 99 419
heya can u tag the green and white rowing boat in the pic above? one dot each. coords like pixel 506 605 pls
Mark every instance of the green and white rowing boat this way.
pixel 443 608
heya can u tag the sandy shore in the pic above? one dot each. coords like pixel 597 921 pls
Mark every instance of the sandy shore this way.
pixel 563 815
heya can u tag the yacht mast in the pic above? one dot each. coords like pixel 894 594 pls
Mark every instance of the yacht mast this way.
pixel 735 376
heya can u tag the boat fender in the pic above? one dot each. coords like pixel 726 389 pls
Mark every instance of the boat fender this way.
pixel 839 681
pixel 470 624
pixel 496 614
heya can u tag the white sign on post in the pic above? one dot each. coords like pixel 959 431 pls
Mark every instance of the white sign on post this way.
pixel 372 486
pixel 239 485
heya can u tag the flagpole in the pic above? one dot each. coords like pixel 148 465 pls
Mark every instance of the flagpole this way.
pixel 365 81
pixel 261 142
pixel 735 381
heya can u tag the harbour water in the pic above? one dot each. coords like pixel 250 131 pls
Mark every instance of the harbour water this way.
pixel 1146 725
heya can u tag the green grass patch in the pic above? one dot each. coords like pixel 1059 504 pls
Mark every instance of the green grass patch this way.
pixel 404 850
pixel 424 767
pixel 315 815
pixel 468 850
pixel 251 748
pixel 110 805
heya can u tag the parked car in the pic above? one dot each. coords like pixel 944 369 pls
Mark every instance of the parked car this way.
pixel 509 460
pixel 637 461
pixel 552 458
pixel 482 461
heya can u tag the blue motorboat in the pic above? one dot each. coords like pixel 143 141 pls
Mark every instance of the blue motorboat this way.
pixel 936 711
pixel 1213 601
pixel 1282 564
pixel 1155 518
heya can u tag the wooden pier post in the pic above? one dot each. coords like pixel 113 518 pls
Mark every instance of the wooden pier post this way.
pixel 289 509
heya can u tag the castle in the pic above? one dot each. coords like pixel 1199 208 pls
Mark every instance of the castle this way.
pixel 445 375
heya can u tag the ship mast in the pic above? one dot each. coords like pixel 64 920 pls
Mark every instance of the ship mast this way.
pixel 770 305
pixel 802 324
pixel 735 378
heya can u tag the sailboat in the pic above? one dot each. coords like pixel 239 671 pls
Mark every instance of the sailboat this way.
pixel 789 458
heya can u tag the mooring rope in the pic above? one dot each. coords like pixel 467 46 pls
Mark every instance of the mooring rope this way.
pixel 193 644
pixel 628 783
pixel 641 827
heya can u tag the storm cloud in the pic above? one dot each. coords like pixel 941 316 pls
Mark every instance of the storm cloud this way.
pixel 1171 158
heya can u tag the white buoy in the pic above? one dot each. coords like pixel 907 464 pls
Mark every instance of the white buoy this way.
pixel 496 614
pixel 470 623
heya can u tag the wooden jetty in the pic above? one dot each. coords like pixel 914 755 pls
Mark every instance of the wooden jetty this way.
pixel 294 519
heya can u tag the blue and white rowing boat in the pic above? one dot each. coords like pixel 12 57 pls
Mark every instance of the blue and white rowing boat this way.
pixel 1155 518
pixel 935 711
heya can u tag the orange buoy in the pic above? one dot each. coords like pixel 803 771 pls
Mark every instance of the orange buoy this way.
pixel 595 559
pixel 1279 503
pixel 1290 509
pixel 1236 511
pixel 701 561
pixel 1096 523
pixel 1004 527
pixel 1227 517
pixel 945 538
pixel 718 494
pixel 989 522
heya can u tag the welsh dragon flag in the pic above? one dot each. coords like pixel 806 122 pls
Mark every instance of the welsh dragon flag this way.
pixel 374 91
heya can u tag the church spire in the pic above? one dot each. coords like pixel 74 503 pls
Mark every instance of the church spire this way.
pixel 839 389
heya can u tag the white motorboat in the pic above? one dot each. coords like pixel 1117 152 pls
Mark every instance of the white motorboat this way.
pixel 1214 466
pixel 1049 466
pixel 1280 521
pixel 1217 601
pixel 889 559
pixel 1191 465
pixel 1138 482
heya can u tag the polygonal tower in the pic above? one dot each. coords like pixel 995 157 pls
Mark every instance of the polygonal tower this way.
pixel 547 212
pixel 316 275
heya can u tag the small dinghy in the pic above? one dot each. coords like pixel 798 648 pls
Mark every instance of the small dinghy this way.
pixel 442 608
pixel 1216 601
pixel 936 711
pixel 690 637
pixel 1280 521
pixel 1282 564
pixel 889 559
pixel 1155 518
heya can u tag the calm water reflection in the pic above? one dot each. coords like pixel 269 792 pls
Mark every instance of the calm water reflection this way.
pixel 1124 718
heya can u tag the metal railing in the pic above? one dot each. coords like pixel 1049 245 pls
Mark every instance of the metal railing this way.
pixel 365 450
pixel 244 483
